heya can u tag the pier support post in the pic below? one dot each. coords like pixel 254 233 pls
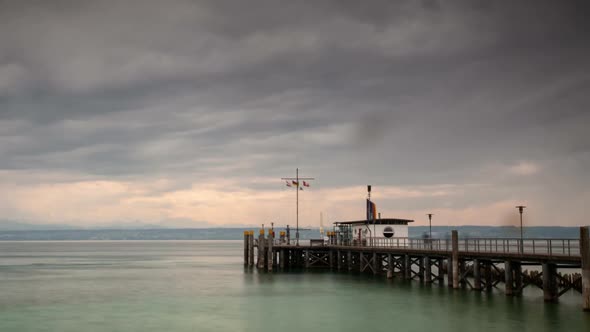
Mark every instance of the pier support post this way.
pixel 441 272
pixel 361 258
pixel 349 260
pixel 282 259
pixel 420 262
pixel 508 280
pixel 427 270
pixel 585 253
pixel 251 248
pixel 389 266
pixel 261 252
pixel 455 258
pixel 246 247
pixel 331 257
pixel 549 282
pixel 462 269
pixel 407 267
pixel 270 252
pixel 476 275
pixel 449 267
pixel 376 263
pixel 487 269
pixel 338 260
pixel 306 258
pixel 517 268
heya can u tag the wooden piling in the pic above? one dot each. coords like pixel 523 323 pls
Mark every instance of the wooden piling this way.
pixel 476 275
pixel 246 247
pixel 389 266
pixel 517 268
pixel 331 259
pixel 338 260
pixel 455 258
pixel 306 258
pixel 261 252
pixel 427 270
pixel 375 263
pixel 361 257
pixel 450 273
pixel 270 252
pixel 550 293
pixel 585 253
pixel 487 269
pixel 251 248
pixel 407 267
pixel 462 269
pixel 349 260
pixel 509 281
pixel 421 269
pixel 441 272
pixel 282 259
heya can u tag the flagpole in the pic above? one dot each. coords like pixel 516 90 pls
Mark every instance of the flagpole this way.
pixel 297 188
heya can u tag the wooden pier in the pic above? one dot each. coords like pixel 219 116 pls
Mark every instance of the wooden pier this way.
pixel 478 264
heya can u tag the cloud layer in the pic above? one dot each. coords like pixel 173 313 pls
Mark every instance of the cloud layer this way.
pixel 193 110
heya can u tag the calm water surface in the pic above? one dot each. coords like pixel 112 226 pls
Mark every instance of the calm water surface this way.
pixel 202 286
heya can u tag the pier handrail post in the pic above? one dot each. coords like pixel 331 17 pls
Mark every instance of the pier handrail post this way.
pixel 585 255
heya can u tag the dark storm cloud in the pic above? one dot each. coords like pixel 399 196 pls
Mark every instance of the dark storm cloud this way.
pixel 396 92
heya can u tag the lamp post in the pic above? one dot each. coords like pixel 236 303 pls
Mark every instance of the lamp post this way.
pixel 430 229
pixel 430 225
pixel 521 210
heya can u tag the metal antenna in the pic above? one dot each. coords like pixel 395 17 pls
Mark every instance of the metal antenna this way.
pixel 297 188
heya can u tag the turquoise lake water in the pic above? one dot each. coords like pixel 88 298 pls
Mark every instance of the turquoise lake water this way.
pixel 202 286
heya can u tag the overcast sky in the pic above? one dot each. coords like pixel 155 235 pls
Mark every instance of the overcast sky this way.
pixel 188 113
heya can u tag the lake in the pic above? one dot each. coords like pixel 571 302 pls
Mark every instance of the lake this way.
pixel 203 286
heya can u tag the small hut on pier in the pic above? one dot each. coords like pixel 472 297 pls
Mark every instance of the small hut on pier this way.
pixel 371 232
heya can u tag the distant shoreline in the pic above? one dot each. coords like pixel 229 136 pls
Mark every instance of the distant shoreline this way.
pixel 237 233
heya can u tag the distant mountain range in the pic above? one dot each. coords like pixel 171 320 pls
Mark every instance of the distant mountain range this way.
pixel 9 225
pixel 137 231
pixel 6 225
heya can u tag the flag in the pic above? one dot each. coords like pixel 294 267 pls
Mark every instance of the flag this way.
pixel 288 184
pixel 305 184
pixel 295 183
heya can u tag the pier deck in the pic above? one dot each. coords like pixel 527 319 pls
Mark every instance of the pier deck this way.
pixel 477 264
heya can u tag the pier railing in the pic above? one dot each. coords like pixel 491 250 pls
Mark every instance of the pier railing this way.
pixel 549 247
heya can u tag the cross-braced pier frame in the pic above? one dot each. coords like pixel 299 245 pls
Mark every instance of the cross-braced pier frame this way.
pixel 477 264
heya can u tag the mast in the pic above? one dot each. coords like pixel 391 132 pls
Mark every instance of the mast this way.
pixel 298 187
